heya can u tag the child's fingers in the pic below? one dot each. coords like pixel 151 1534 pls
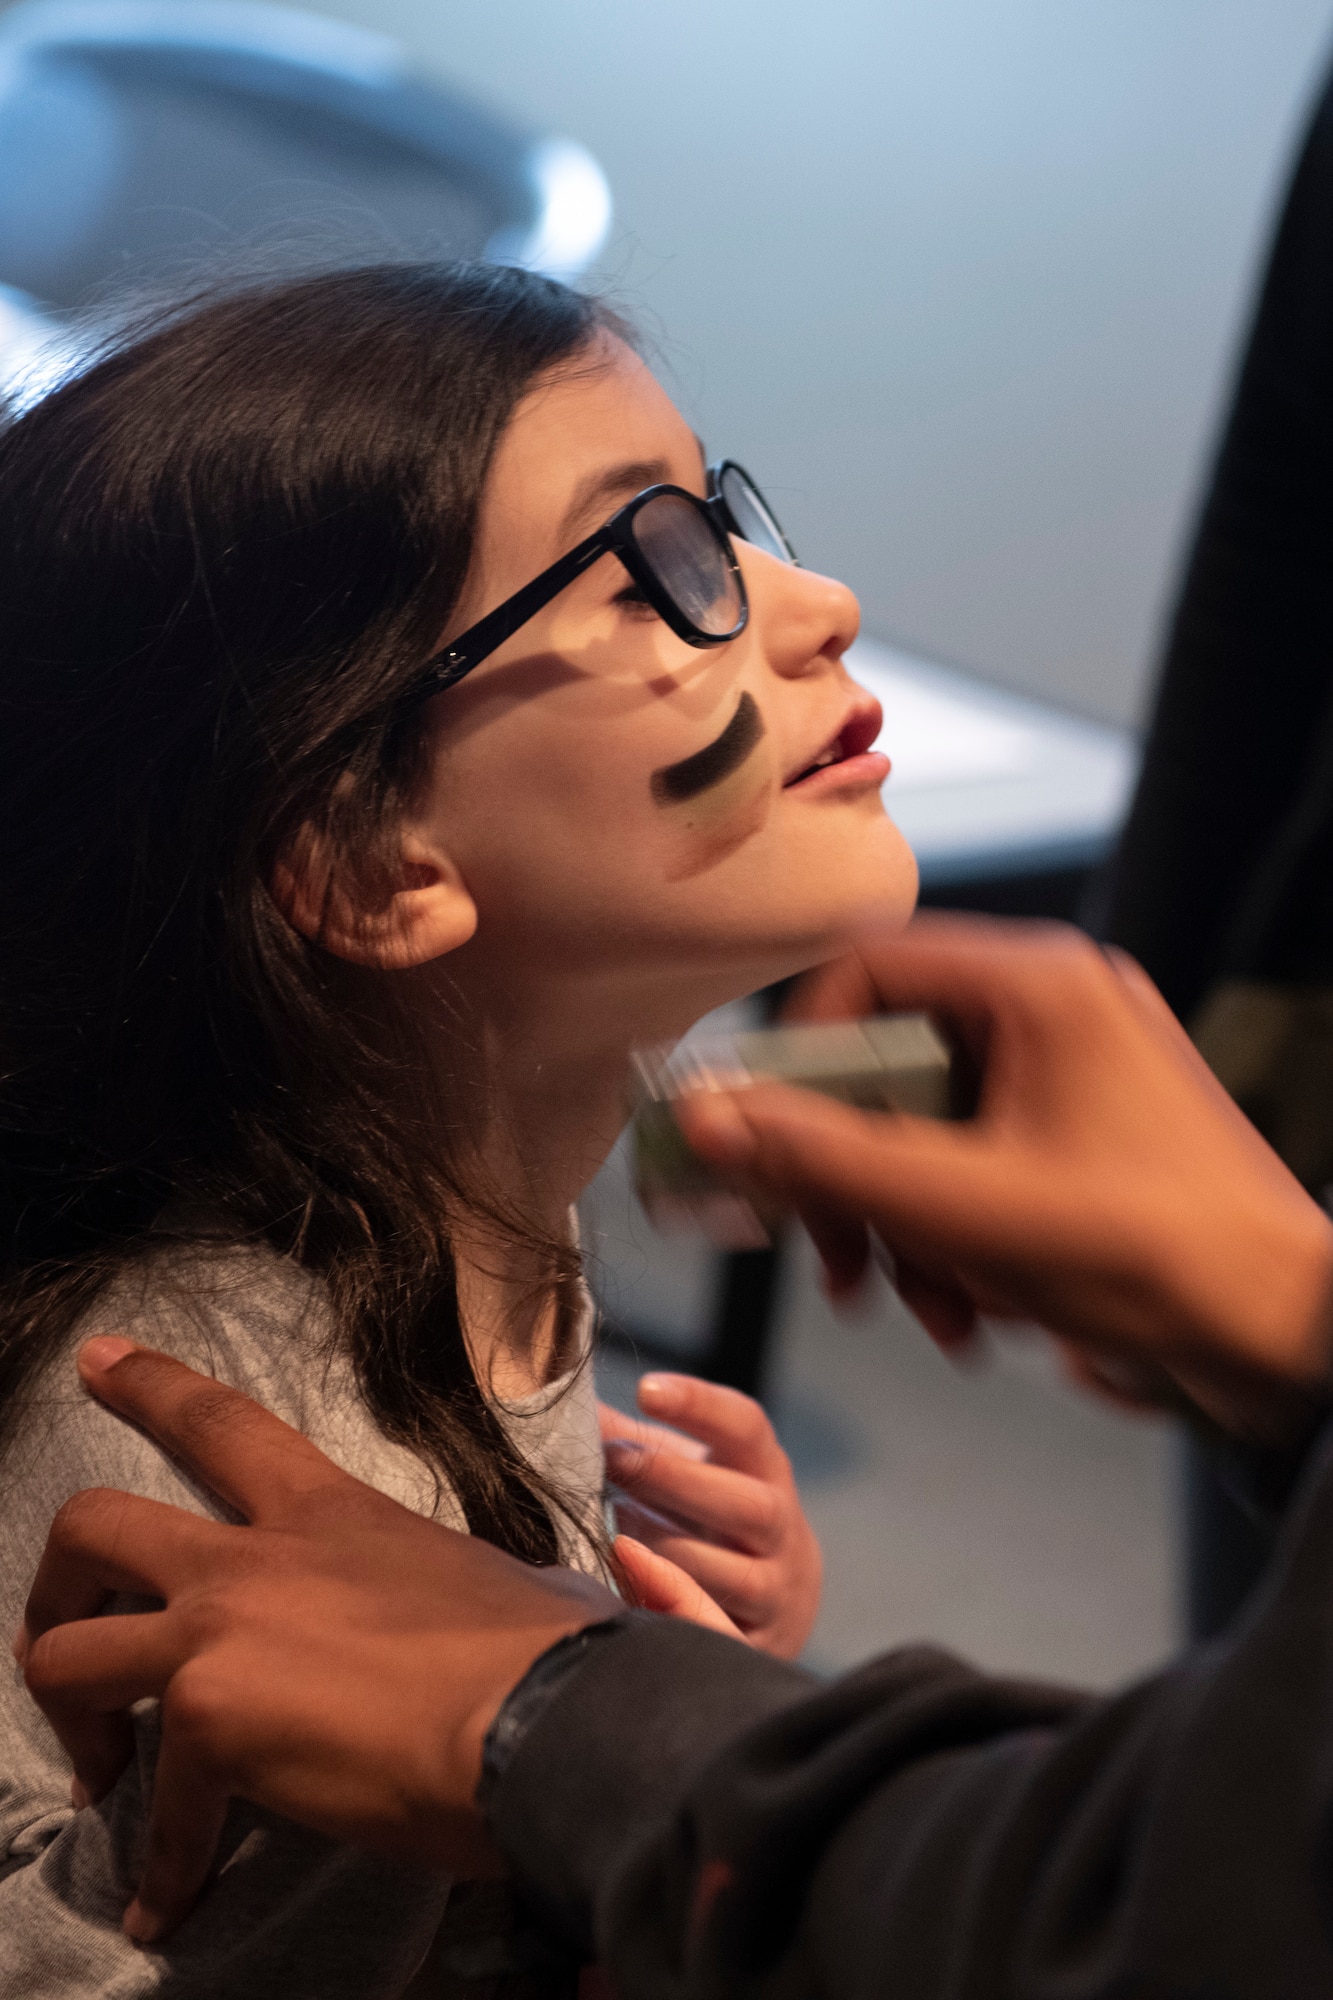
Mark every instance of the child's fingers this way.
pixel 773 1600
pixel 655 1584
pixel 752 1589
pixel 644 1524
pixel 748 1588
pixel 614 1424
pixel 733 1426
pixel 745 1512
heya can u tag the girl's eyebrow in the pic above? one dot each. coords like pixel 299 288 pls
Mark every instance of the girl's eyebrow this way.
pixel 593 493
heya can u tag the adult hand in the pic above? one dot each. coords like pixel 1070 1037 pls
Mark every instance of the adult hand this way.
pixel 712 1525
pixel 272 1638
pixel 1107 1186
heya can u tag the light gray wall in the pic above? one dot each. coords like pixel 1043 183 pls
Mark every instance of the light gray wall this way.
pixel 958 279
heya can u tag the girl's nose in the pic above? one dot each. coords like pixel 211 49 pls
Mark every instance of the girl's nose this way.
pixel 802 619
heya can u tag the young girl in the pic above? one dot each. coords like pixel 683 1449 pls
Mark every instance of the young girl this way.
pixel 399 724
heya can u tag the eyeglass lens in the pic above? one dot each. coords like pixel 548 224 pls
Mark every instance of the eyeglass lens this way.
pixel 753 516
pixel 690 562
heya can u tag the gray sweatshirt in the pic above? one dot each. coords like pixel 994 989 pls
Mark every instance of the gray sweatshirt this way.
pixel 291 1914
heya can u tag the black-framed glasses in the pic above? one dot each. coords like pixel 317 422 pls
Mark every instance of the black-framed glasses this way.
pixel 676 547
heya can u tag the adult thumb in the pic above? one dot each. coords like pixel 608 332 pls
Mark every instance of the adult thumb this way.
pixel 916 1180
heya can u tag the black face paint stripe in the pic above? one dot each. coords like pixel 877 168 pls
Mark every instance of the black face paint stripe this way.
pixel 716 761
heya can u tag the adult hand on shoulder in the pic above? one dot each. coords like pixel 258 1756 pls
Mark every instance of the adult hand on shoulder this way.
pixel 273 1637
pixel 1107 1187
pixel 712 1524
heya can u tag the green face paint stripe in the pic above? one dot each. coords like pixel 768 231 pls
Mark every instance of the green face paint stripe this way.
pixel 717 760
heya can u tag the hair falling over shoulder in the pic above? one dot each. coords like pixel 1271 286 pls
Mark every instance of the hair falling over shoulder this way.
pixel 226 548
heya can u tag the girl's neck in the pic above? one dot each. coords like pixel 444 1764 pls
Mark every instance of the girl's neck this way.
pixel 547 1129
pixel 555 1059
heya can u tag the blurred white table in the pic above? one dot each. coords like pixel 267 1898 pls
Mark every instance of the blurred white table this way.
pixel 986 783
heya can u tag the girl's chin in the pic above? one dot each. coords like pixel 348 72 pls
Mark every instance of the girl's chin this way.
pixel 862 857
pixel 881 899
pixel 802 949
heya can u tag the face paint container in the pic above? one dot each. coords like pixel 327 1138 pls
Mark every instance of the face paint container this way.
pixel 893 1062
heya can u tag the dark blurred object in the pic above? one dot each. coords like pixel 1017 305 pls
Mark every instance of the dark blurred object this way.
pixel 1057 893
pixel 139 138
pixel 740 1340
pixel 1224 869
pixel 1272 1047
pixel 1228 1544
pixel 1223 883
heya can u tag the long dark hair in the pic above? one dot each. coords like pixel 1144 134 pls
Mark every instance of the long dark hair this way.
pixel 225 550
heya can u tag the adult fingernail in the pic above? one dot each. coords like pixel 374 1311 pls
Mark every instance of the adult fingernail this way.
pixel 714 1127
pixel 139 1926
pixel 657 1389
pixel 103 1351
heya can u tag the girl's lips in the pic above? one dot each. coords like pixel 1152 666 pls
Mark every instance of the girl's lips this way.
pixel 848 759
pixel 867 767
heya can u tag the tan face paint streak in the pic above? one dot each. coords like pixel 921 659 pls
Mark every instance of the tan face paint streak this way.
pixel 706 829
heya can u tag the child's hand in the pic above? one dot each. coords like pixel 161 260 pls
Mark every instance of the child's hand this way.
pixel 715 1530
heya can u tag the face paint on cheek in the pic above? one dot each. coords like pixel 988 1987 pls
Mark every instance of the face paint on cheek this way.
pixel 674 784
pixel 717 798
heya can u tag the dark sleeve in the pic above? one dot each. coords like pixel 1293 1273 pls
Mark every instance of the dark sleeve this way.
pixel 720 1824
pixel 1221 868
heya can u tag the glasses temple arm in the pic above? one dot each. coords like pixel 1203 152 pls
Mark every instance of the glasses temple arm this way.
pixel 449 666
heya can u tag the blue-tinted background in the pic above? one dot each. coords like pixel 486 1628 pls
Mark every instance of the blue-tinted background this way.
pixel 960 278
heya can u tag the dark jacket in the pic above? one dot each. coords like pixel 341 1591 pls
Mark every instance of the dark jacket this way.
pixel 714 1822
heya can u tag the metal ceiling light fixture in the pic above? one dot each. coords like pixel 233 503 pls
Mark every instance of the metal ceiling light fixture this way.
pixel 139 138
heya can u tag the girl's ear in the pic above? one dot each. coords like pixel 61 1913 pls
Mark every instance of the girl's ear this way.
pixel 417 910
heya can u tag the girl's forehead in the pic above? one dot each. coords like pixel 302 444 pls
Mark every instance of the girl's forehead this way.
pixel 605 405
pixel 584 441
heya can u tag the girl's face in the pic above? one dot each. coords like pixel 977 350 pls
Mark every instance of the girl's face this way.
pixel 543 760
